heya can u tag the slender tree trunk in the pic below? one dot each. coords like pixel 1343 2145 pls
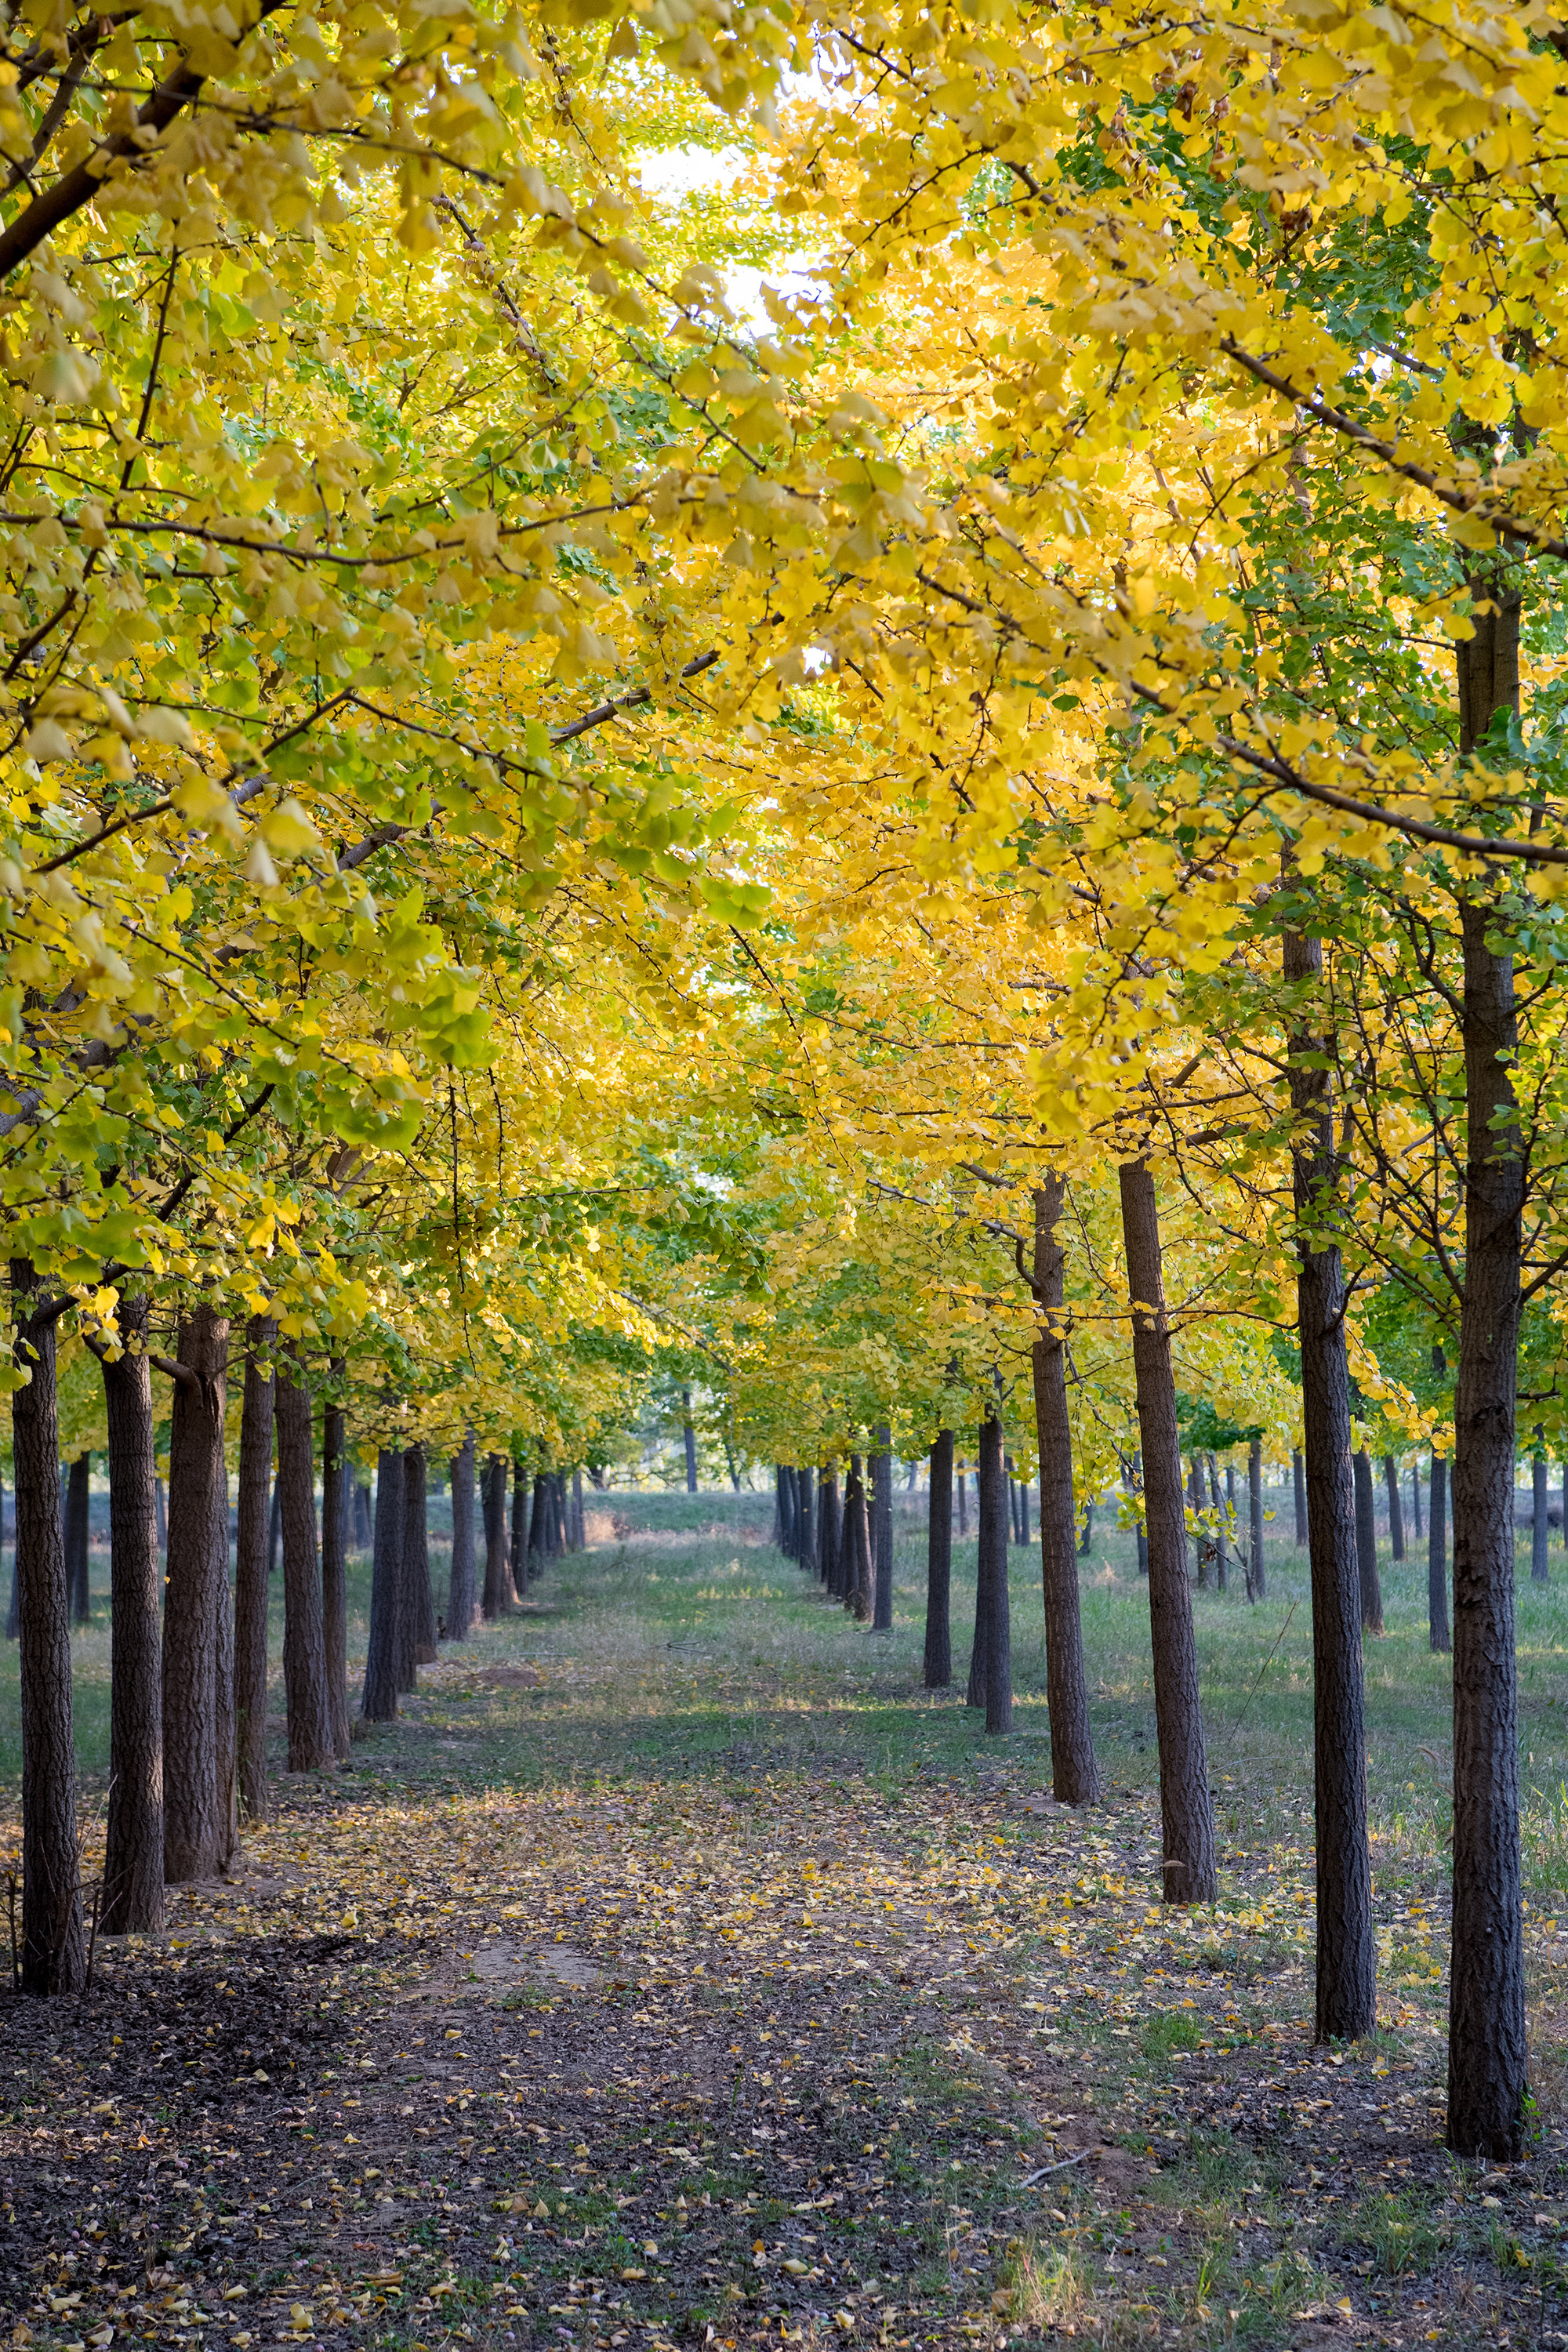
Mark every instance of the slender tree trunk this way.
pixel 1395 1507
pixel 493 1500
pixel 418 1609
pixel 194 1812
pixel 807 1521
pixel 1186 1810
pixel 521 1499
pixel 1299 1476
pixel 778 1506
pixel 858 1548
pixel 962 1506
pixel 1540 1571
pixel 250 1595
pixel 132 1901
pixel 222 1667
pixel 1075 1774
pixel 1142 1532
pixel 79 1506
pixel 689 1431
pixel 829 1520
pixel 580 1527
pixel 539 1523
pixel 1257 1583
pixel 1417 1528
pixel 1024 1530
pixel 334 1570
pixel 160 1517
pixel 1222 1525
pixel 304 1644
pixel 1487 2055
pixel 882 1532
pixel 1437 1559
pixel 939 1565
pixel 1366 1544
pixel 53 1954
pixel 460 1591
pixel 364 1525
pixel 380 1701
pixel 998 1663
pixel 1086 1540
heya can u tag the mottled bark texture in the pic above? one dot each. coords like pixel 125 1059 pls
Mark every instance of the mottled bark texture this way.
pixel 493 1502
pixel 53 1957
pixel 77 1531
pixel 939 1566
pixel 304 1648
pixel 132 1901
pixel 688 1431
pixel 418 1612
pixel 1075 1773
pixel 334 1569
pixel 1347 1953
pixel 882 1533
pixel 1366 1543
pixel 1487 2056
pixel 1185 1806
pixel 460 1590
pixel 1395 1507
pixel 250 1612
pixel 195 1811
pixel 378 1704
pixel 996 1647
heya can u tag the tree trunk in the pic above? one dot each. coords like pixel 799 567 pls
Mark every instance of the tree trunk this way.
pixel 160 1517
pixel 380 1702
pixel 132 1901
pixel 939 1565
pixel 222 1667
pixel 1222 1527
pixel 521 1499
pixel 1486 2059
pixel 1539 1572
pixel 461 1591
pixel 1186 1811
pixel 78 1530
pixel 689 1431
pixel 1416 1527
pixel 250 1595
pixel 54 1959
pixel 364 1525
pixel 1257 1581
pixel 829 1520
pixel 1086 1540
pixel 807 1521
pixel 1395 1507
pixel 304 1645
pixel 1298 1475
pixel 334 1570
pixel 962 1506
pixel 1075 1774
pixel 1437 1559
pixel 539 1524
pixel 579 1525
pixel 418 1609
pixel 778 1506
pixel 493 1502
pixel 882 1532
pixel 998 1669
pixel 1366 1544
pixel 194 1810
pixel 275 1531
pixel 858 1548
pixel 1024 1531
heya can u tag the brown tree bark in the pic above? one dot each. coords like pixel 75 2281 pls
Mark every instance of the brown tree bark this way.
pixel 1487 2054
pixel 222 1668
pixel 1438 1634
pixel 1347 1952
pixel 1299 1479
pixel 250 1594
pixel 195 1810
pixel 829 1529
pixel 78 1530
pixel 520 1519
pixel 857 1544
pixel 335 1504
pixel 1185 1806
pixel 460 1591
pixel 939 1565
pixel 808 1508
pixel 304 1645
pixel 417 1639
pixel 688 1431
pixel 493 1500
pixel 1257 1580
pixel 381 1685
pixel 1395 1507
pixel 1075 1773
pixel 53 1957
pixel 133 1902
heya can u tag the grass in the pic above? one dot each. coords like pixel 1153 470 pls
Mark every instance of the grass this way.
pixel 888 2014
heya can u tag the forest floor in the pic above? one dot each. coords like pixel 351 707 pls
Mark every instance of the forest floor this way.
pixel 677 1971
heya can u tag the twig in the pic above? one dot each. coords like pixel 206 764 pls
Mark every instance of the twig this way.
pixel 1046 2169
pixel 1267 1662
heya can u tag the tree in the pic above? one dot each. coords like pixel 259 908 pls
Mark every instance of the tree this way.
pixel 133 1900
pixel 195 1809
pixel 310 1743
pixel 251 1564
